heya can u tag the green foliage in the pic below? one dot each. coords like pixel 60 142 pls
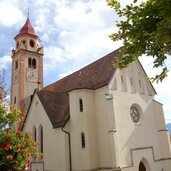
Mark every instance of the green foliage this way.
pixel 8 117
pixel 16 147
pixel 144 29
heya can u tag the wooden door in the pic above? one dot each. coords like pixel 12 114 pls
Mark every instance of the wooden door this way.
pixel 142 167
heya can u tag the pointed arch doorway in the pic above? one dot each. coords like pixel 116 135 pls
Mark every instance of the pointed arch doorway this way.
pixel 142 167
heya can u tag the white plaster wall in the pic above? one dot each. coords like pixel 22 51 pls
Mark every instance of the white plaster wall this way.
pixel 55 148
pixel 105 123
pixel 83 158
pixel 135 73
pixel 112 139
pixel 162 131
pixel 143 139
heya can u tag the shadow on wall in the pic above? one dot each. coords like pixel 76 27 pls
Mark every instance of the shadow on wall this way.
pixel 144 135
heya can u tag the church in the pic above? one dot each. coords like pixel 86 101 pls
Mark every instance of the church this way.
pixel 98 118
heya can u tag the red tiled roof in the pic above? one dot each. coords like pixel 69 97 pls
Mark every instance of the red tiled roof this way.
pixel 56 106
pixel 93 76
pixel 27 28
pixel 54 97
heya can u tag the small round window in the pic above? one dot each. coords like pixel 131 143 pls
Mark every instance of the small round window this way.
pixel 31 43
pixel 135 114
pixel 23 41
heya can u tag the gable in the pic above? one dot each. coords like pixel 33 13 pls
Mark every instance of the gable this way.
pixel 36 115
pixel 132 79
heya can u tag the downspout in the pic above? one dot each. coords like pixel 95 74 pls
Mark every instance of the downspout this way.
pixel 69 140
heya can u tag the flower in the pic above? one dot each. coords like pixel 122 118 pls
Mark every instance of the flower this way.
pixel 16 147
pixel 7 147
pixel 10 157
pixel 28 163
pixel 41 156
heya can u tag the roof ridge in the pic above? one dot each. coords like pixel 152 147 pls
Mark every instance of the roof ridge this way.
pixel 103 57
pixel 50 91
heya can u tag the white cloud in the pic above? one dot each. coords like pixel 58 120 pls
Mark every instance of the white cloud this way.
pixel 4 62
pixel 53 57
pixel 41 20
pixel 84 29
pixel 9 13
pixel 67 73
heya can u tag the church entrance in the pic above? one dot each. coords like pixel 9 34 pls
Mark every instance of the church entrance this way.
pixel 142 167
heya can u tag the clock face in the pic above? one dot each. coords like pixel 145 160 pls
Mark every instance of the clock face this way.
pixel 135 115
pixel 32 76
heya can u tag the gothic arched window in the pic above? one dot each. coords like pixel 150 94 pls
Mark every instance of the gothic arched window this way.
pixel 81 105
pixel 82 140
pixel 41 138
pixel 34 63
pixel 34 133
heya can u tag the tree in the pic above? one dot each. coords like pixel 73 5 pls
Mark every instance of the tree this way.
pixel 3 91
pixel 7 117
pixel 144 29
pixel 16 147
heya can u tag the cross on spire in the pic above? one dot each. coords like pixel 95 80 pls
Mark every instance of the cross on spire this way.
pixel 28 12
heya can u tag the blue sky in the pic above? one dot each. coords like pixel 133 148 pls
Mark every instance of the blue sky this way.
pixel 73 33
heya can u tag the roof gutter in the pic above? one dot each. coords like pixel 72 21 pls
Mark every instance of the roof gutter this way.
pixel 69 143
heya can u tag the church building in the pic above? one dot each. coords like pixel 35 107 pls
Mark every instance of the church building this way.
pixel 98 118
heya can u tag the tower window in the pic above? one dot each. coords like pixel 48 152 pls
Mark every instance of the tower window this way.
pixel 81 105
pixel 82 140
pixel 24 42
pixel 15 100
pixel 32 43
pixel 29 62
pixel 34 63
pixel 16 64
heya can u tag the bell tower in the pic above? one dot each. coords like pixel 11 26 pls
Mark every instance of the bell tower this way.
pixel 27 67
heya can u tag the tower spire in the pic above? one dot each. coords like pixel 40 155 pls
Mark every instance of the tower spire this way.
pixel 27 27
